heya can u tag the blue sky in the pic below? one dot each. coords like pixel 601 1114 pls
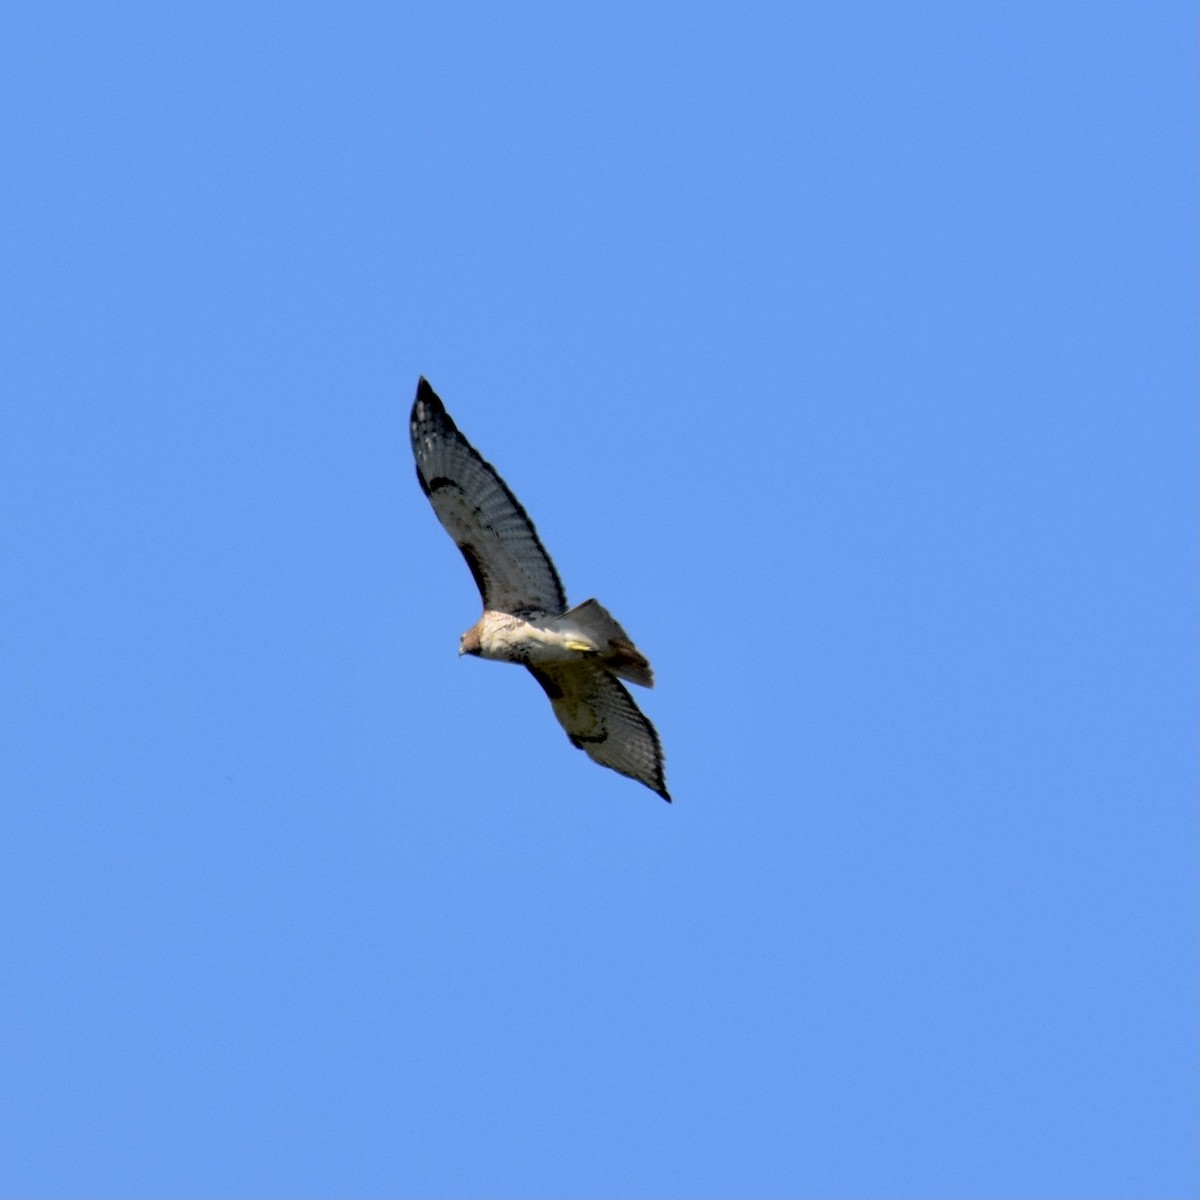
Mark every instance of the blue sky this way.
pixel 846 352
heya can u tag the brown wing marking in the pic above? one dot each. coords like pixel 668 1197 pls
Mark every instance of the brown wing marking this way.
pixel 601 719
pixel 510 565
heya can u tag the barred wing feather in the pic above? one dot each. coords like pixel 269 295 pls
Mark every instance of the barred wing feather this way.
pixel 601 718
pixel 510 565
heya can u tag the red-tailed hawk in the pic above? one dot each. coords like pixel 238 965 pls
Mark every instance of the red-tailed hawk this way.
pixel 575 653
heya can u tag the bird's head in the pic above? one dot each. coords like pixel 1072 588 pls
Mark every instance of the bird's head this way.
pixel 469 642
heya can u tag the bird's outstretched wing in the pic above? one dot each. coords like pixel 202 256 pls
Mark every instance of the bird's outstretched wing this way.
pixel 510 565
pixel 601 718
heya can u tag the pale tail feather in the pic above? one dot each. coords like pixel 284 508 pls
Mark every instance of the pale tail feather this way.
pixel 599 632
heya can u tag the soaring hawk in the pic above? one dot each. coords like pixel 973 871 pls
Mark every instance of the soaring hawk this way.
pixel 576 654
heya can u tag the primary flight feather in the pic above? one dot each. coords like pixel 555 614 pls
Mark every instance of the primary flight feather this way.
pixel 576 654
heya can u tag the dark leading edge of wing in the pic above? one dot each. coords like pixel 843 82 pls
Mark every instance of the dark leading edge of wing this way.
pixel 510 565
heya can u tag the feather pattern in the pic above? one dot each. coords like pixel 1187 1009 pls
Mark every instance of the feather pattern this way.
pixel 510 565
pixel 602 720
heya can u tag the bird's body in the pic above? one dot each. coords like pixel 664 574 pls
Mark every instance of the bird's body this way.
pixel 509 638
pixel 575 654
pixel 579 634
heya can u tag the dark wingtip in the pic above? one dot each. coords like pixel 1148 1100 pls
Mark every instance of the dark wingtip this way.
pixel 665 795
pixel 428 409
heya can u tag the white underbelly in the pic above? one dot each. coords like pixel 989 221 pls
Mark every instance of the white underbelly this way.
pixel 512 639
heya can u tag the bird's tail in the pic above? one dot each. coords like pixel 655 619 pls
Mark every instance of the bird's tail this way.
pixel 598 632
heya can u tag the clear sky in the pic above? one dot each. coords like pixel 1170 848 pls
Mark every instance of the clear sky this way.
pixel 846 351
